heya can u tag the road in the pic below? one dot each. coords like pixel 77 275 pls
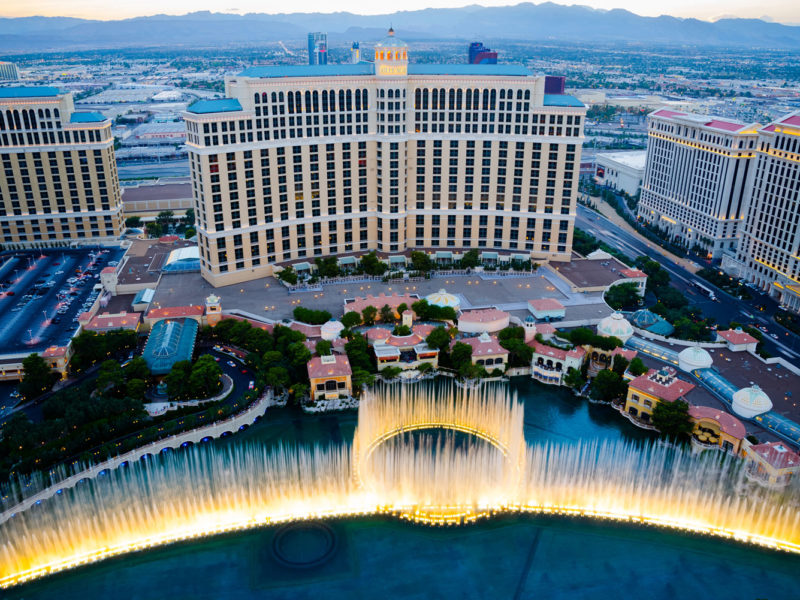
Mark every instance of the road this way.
pixel 725 310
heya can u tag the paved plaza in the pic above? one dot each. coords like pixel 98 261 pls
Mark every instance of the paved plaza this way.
pixel 268 298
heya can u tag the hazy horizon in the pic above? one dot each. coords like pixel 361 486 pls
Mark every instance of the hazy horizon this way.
pixel 781 11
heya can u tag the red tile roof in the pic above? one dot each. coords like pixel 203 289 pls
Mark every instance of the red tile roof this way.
pixel 481 348
pixel 727 422
pixel 378 333
pixel 109 270
pixel 777 454
pixel 545 328
pixel 632 273
pixel 546 304
pixel 339 367
pixel 736 337
pixel 176 312
pixel 671 391
pixel 769 128
pixel 629 355
pixel 725 125
pixel 254 323
pixel 485 315
pixel 54 352
pixel 557 353
pixel 106 322
pixel 423 330
pixel 668 113
pixel 310 331
pixel 405 341
pixel 793 120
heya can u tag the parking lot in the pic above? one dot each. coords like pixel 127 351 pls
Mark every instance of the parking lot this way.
pixel 42 292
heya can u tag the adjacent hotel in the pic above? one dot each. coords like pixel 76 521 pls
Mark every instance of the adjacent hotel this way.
pixel 59 184
pixel 306 161
pixel 695 178
pixel 769 251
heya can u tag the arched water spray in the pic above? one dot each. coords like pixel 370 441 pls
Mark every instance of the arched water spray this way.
pixel 209 490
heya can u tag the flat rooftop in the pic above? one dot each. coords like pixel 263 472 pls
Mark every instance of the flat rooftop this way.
pixel 165 191
pixel 634 160
pixel 585 273
pixel 145 259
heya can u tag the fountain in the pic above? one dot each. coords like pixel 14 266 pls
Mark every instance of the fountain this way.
pixel 207 490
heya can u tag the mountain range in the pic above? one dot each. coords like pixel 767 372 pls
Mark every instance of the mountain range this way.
pixel 523 22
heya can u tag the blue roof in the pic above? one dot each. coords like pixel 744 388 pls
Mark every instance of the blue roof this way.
pixel 169 342
pixel 215 106
pixel 86 117
pixel 562 100
pixel 28 91
pixel 309 70
pixel 466 69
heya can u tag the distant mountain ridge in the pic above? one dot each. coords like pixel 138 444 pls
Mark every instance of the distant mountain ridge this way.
pixel 524 21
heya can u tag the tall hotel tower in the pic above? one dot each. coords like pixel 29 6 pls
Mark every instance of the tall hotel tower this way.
pixel 59 183
pixel 769 251
pixel 695 178
pixel 307 161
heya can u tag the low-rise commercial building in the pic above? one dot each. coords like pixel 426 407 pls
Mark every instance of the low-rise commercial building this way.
pixel 330 377
pixel 646 391
pixel 621 171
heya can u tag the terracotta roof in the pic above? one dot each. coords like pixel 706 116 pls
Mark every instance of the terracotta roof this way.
pixel 628 354
pixel 109 270
pixel 310 331
pixel 378 333
pixel 675 389
pixel 394 300
pixel 557 353
pixel 106 321
pixel 545 328
pixel 482 348
pixel 54 352
pixel 176 312
pixel 668 113
pixel 736 337
pixel 254 323
pixel 405 341
pixel 423 330
pixel 777 454
pixel 546 304
pixel 725 125
pixel 727 422
pixel 631 273
pixel 793 120
pixel 168 239
pixel 485 315
pixel 339 366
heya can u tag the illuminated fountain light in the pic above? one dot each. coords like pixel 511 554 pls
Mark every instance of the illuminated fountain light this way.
pixel 208 490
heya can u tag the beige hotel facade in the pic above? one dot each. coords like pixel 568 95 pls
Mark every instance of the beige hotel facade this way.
pixel 300 162
pixel 59 183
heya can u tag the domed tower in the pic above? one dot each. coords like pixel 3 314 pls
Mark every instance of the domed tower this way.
pixel 213 310
pixel 391 57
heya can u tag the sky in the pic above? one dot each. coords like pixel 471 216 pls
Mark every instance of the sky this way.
pixel 783 11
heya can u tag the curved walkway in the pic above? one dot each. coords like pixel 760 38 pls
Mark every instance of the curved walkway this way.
pixel 214 430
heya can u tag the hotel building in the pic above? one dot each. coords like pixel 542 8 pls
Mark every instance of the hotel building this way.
pixel 59 183
pixel 696 177
pixel 306 161
pixel 769 251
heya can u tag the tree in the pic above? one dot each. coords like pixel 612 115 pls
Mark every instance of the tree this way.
pixel 164 219
pixel 623 295
pixel 402 330
pixel 110 377
pixel 368 315
pixel 357 350
pixel 371 264
pixel 299 391
pixel 520 354
pixel 288 275
pixel 137 369
pixel 619 364
pixel 672 419
pixel 153 229
pixel 312 317
pixel 188 217
pixel 401 308
pixel 189 233
pixel 360 378
pixel 328 266
pixel 204 380
pixel 37 378
pixel 135 388
pixel 637 367
pixel 351 319
pixel 391 372
pixel 133 222
pixel 177 380
pixel 277 377
pixel 573 379
pixel 421 308
pixel 299 355
pixel 323 348
pixel 461 356
pixel 608 386
pixel 421 261
pixel 438 338
pixel 470 259
pixel 387 313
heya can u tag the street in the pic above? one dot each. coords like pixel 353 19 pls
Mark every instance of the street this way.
pixel 725 310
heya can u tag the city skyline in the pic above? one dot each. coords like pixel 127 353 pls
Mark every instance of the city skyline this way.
pixel 781 11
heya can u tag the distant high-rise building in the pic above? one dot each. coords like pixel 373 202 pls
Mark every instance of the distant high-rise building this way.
pixel 8 71
pixel 481 55
pixel 388 156
pixel 695 178
pixel 318 48
pixel 769 250
pixel 355 54
pixel 60 183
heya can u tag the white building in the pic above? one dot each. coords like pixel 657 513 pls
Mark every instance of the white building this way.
pixel 769 251
pixel 306 161
pixel 621 171
pixel 8 71
pixel 696 178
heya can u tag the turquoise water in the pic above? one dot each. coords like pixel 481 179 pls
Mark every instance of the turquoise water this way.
pixel 506 557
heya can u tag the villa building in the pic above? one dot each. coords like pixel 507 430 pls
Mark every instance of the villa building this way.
pixel 737 340
pixel 486 351
pixel 59 184
pixel 772 464
pixel 549 364
pixel 299 162
pixel 646 391
pixel 330 377
pixel 715 428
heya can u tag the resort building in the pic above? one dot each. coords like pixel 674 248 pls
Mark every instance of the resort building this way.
pixel 621 171
pixel 170 341
pixel 299 162
pixel 330 377
pixel 549 364
pixel 695 179
pixel 615 325
pixel 737 340
pixel 646 391
pixel 8 71
pixel 489 320
pixel 59 184
pixel 546 309
pixel 769 251
pixel 772 464
pixel 750 402
pixel 486 351
pixel 714 428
